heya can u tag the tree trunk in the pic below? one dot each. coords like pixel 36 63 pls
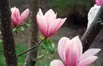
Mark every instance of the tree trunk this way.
pixel 7 36
pixel 34 34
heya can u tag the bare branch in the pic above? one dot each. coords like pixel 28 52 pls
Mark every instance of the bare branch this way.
pixel 35 46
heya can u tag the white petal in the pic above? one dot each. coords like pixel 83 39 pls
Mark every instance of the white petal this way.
pixel 88 60
pixel 50 16
pixel 92 14
pixel 56 63
pixel 89 52
pixel 77 45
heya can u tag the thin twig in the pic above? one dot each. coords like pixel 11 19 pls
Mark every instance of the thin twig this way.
pixel 35 46
pixel 40 57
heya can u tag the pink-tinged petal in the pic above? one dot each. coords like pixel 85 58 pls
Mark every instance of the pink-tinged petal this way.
pixel 41 23
pixel 50 12
pixel 99 2
pixel 87 61
pixel 63 45
pixel 16 11
pixel 53 25
pixel 62 21
pixel 71 57
pixel 15 14
pixel 56 63
pixel 83 65
pixel 50 16
pixel 74 52
pixel 89 52
pixel 40 12
pixel 77 45
pixel 24 15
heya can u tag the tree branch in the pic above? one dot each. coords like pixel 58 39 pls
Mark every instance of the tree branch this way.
pixel 7 36
pixel 34 33
pixel 30 49
pixel 93 30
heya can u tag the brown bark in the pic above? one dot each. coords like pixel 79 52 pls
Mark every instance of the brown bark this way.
pixel 7 36
pixel 34 34
pixel 93 31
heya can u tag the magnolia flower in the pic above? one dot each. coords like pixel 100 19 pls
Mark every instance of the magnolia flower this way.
pixel 16 18
pixel 92 14
pixel 93 11
pixel 99 2
pixel 71 53
pixel 48 23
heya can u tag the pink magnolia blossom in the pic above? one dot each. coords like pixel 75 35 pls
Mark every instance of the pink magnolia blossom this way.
pixel 99 2
pixel 71 53
pixel 16 18
pixel 48 23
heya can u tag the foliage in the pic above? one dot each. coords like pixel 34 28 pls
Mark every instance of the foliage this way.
pixel 45 61
pixel 48 45
pixel 19 48
pixel 61 6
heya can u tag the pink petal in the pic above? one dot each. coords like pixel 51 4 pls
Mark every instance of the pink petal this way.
pixel 77 45
pixel 71 57
pixel 53 25
pixel 89 52
pixel 73 52
pixel 50 16
pixel 99 2
pixel 56 63
pixel 60 24
pixel 24 15
pixel 63 45
pixel 83 65
pixel 87 61
pixel 41 23
pixel 15 14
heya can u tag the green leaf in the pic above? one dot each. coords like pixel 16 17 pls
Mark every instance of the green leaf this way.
pixel 21 29
pixel 14 29
pixel 27 25
pixel 48 45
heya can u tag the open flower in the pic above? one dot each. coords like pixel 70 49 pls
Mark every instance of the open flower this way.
pixel 48 23
pixel 99 2
pixel 71 53
pixel 16 18
pixel 92 14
